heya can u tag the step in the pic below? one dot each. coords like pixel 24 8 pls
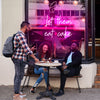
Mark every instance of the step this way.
pixel 97 78
pixel 97 86
pixel 98 75
pixel 97 82
pixel 98 71
pixel 98 66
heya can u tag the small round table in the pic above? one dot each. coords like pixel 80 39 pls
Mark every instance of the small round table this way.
pixel 47 65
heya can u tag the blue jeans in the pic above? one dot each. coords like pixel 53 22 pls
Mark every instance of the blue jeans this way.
pixel 43 74
pixel 19 73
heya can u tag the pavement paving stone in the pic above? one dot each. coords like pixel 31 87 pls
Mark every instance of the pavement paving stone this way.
pixel 6 93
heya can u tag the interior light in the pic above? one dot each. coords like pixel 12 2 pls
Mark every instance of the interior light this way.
pixel 83 19
pixel 75 2
pixel 46 2
pixel 61 2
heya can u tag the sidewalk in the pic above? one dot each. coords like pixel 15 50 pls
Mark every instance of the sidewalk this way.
pixel 6 93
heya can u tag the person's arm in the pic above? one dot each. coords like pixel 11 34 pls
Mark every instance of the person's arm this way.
pixel 36 60
pixel 64 62
pixel 26 48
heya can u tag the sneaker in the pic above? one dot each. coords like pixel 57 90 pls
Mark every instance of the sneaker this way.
pixel 18 97
pixel 59 93
pixel 22 94
pixel 32 90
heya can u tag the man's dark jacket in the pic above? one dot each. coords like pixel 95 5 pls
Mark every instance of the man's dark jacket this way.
pixel 74 66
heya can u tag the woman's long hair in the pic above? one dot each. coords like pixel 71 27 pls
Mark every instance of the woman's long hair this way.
pixel 40 50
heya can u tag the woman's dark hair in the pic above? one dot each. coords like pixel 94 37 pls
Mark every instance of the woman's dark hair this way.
pixel 40 49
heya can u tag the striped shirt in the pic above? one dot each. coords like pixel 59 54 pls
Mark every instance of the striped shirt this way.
pixel 21 47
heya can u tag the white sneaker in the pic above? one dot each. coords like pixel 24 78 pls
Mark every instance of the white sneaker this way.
pixel 18 97
pixel 22 94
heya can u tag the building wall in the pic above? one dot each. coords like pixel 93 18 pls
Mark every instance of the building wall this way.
pixel 0 28
pixel 12 15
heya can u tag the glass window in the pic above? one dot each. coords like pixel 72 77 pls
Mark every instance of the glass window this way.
pixel 46 12
pixel 56 12
pixel 81 28
pixel 40 12
pixel 82 12
pixel 60 12
pixel 64 12
pixel 68 12
pixel 76 12
pixel 72 13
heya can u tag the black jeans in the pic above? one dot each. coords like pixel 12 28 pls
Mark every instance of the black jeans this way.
pixel 19 73
pixel 63 77
pixel 62 80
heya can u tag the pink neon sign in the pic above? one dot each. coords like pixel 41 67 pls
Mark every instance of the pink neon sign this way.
pixel 64 34
pixel 58 21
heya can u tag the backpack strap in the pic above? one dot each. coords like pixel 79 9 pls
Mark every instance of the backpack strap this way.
pixel 13 40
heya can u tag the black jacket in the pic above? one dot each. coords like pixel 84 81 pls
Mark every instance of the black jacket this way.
pixel 74 66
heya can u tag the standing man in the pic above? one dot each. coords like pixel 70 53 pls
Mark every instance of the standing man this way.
pixel 71 66
pixel 19 57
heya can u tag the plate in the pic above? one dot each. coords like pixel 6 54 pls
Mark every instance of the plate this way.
pixel 42 61
pixel 56 62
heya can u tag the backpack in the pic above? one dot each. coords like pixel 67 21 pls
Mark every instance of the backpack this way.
pixel 8 48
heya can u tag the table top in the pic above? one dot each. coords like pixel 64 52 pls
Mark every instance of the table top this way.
pixel 49 64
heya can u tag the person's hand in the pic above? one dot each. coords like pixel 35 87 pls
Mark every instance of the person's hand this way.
pixel 33 48
pixel 43 59
pixel 64 63
pixel 36 60
pixel 64 67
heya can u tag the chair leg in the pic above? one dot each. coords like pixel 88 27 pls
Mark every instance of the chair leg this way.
pixel 28 81
pixel 78 85
pixel 24 83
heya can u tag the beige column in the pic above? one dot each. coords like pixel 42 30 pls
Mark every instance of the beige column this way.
pixel 12 16
pixel 0 27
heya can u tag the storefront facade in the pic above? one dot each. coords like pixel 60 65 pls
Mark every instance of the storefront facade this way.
pixel 13 13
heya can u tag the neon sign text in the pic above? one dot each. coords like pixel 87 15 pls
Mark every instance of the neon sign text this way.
pixel 64 34
pixel 58 21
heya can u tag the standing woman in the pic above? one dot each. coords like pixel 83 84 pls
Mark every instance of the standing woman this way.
pixel 44 53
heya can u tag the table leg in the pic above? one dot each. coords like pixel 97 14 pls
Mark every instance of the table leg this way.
pixel 46 93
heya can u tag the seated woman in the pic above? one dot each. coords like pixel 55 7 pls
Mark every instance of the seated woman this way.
pixel 44 53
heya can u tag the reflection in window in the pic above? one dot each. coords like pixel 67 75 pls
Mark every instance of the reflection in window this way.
pixel 64 12
pixel 40 12
pixel 72 13
pixel 46 12
pixel 60 12
pixel 68 12
pixel 76 12
pixel 82 13
pixel 56 12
